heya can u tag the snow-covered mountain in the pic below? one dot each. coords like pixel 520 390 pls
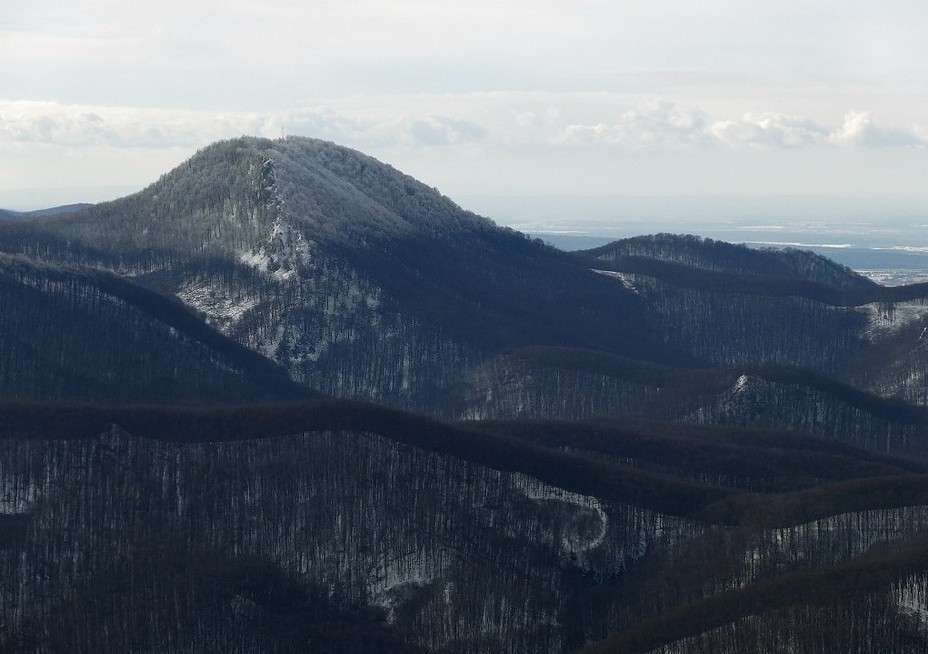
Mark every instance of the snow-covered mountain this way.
pixel 618 477
pixel 359 280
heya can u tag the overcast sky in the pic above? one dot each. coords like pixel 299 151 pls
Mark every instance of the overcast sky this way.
pixel 592 97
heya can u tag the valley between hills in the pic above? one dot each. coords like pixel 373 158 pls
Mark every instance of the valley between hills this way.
pixel 289 399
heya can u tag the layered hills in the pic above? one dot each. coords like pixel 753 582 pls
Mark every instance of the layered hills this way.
pixel 357 279
pixel 74 334
pixel 667 444
pixel 353 526
pixel 362 282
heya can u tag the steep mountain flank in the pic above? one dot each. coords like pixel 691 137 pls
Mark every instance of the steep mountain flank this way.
pixel 72 334
pixel 364 283
pixel 359 280
pixel 733 305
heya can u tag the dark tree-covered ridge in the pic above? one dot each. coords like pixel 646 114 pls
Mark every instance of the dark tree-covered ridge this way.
pixel 694 446
pixel 273 524
pixel 72 333
pixel 718 256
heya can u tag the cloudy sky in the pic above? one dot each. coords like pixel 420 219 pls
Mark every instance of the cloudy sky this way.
pixel 479 98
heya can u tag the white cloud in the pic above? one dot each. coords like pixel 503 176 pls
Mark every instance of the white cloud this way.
pixel 649 126
pixel 660 124
pixel 860 129
pixel 437 130
pixel 82 126
pixel 467 94
pixel 672 125
pixel 318 122
pixel 773 129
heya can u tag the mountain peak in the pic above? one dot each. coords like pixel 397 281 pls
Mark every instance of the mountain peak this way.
pixel 339 192
pixel 240 197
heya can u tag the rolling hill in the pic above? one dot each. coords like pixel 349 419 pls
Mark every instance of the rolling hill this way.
pixel 73 334
pixel 359 280
pixel 667 444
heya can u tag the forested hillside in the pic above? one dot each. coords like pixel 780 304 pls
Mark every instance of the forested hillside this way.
pixel 667 444
pixel 718 256
pixel 732 305
pixel 351 526
pixel 357 279
pixel 71 334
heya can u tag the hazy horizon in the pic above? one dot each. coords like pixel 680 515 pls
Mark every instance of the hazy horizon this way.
pixel 482 99
pixel 588 213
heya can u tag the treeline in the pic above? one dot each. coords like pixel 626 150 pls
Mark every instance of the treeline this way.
pixel 716 380
pixel 719 256
pixel 684 276
pixel 494 290
pixel 564 384
pixel 569 471
pixel 71 333
pixel 138 545
pixel 170 598
pixel 162 544
pixel 171 544
pixel 723 316
pixel 863 484
pixel 772 460
pixel 872 572
pixel 892 491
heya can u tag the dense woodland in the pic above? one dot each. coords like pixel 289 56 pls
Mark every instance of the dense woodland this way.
pixel 667 444
pixel 527 537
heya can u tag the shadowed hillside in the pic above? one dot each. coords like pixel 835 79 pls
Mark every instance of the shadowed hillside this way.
pixel 273 524
pixel 359 280
pixel 79 334
pixel 667 444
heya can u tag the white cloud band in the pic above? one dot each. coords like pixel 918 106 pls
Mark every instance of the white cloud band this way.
pixel 654 125
pixel 76 126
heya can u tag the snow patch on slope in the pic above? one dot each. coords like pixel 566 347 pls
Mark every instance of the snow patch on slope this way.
pixel 576 537
pixel 886 317
pixel 17 498
pixel 745 397
pixel 221 310
pixel 911 598
pixel 628 280
pixel 329 311
pixel 284 254
pixel 741 384
pixel 396 579
pixel 270 346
